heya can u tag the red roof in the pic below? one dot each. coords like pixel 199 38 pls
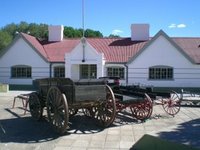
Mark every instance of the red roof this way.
pixel 191 46
pixel 56 50
pixel 36 44
pixel 117 50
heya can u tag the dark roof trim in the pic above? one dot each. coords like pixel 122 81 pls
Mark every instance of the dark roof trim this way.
pixel 117 63
pixel 162 33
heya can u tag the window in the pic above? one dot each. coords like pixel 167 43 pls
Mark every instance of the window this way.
pixel 21 71
pixel 161 73
pixel 88 71
pixel 115 72
pixel 59 72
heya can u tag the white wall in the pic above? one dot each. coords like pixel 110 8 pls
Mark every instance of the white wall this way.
pixel 20 53
pixel 75 57
pixel 162 52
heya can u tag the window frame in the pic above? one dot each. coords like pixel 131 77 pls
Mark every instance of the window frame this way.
pixel 88 71
pixel 59 71
pixel 21 72
pixel 161 73
pixel 115 71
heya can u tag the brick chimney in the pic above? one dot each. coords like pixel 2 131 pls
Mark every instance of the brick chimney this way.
pixel 140 32
pixel 55 33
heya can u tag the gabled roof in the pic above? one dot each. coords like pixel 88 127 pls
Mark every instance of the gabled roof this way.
pixel 56 50
pixel 115 50
pixel 35 44
pixel 189 47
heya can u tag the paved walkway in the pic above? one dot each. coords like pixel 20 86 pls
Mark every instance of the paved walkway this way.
pixel 21 132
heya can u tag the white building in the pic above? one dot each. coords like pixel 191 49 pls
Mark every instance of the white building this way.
pixel 161 61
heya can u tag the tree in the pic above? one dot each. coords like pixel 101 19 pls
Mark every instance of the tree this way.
pixel 92 33
pixel 70 32
pixel 113 36
pixel 8 32
pixel 5 39
pixel 10 29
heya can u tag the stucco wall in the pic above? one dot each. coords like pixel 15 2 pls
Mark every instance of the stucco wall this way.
pixel 162 52
pixel 20 53
pixel 75 57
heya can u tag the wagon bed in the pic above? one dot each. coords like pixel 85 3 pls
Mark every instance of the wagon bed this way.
pixel 63 97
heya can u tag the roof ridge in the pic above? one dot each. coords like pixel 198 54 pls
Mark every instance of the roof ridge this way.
pixel 185 37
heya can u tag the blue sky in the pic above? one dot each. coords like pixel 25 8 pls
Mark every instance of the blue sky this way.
pixel 175 17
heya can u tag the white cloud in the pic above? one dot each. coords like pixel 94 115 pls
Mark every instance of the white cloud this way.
pixel 117 32
pixel 181 26
pixel 173 25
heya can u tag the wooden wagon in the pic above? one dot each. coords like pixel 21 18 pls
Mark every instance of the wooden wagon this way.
pixel 189 98
pixel 63 97
pixel 140 100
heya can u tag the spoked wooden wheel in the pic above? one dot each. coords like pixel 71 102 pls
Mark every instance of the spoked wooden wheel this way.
pixel 35 107
pixel 57 110
pixel 72 112
pixel 91 111
pixel 107 110
pixel 172 105
pixel 142 110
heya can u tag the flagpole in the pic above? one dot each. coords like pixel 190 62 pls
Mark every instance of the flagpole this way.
pixel 83 18
pixel 83 26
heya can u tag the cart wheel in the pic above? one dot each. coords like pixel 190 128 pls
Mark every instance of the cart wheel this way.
pixel 72 112
pixel 142 110
pixel 172 105
pixel 35 107
pixel 107 110
pixel 90 112
pixel 149 105
pixel 57 110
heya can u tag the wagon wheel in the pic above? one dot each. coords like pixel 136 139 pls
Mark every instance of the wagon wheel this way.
pixel 35 107
pixel 72 112
pixel 172 105
pixel 57 109
pixel 142 110
pixel 90 112
pixel 106 112
pixel 149 105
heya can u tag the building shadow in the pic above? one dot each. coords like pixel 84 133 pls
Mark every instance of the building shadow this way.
pixel 186 133
pixel 184 137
